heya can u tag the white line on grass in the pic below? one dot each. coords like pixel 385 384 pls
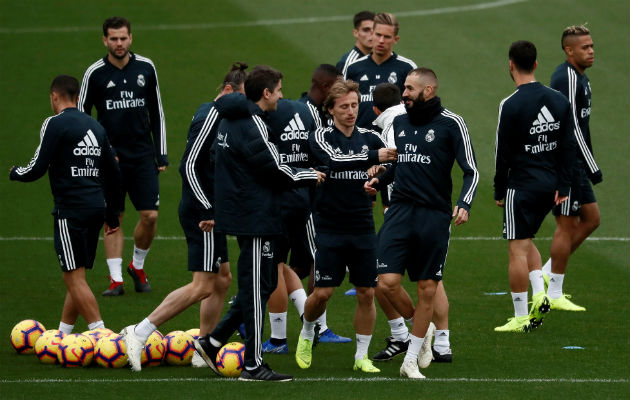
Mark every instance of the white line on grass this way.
pixel 268 22
pixel 328 379
pixel 462 238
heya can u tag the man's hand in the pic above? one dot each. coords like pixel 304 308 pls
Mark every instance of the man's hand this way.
pixel 387 154
pixel 460 215
pixel 321 177
pixel 499 203
pixel 375 170
pixel 369 186
pixel 109 231
pixel 559 199
pixel 162 168
pixel 206 225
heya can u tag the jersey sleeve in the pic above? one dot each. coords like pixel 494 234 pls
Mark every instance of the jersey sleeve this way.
pixel 37 167
pixel 86 93
pixel 324 153
pixel 465 156
pixel 263 156
pixel 502 153
pixel 112 184
pixel 156 118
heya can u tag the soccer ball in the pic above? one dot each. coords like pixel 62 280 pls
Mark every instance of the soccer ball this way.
pixel 194 332
pixel 231 359
pixel 47 345
pixel 96 334
pixel 111 351
pixel 25 334
pixel 153 351
pixel 75 350
pixel 178 348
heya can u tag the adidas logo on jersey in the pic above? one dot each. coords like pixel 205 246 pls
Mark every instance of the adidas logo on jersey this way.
pixel 402 133
pixel 364 78
pixel 88 146
pixel 295 129
pixel 544 122
pixel 111 84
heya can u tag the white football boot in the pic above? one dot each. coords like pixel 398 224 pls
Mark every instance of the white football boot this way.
pixel 425 356
pixel 134 347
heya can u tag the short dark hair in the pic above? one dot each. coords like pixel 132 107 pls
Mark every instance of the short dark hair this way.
pixel 260 78
pixel 116 23
pixel 236 77
pixel 385 95
pixel 65 86
pixel 362 16
pixel 523 55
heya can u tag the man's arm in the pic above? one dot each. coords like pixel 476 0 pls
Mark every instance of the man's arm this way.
pixel 38 165
pixel 566 157
pixel 86 94
pixel 465 156
pixel 156 119
pixel 502 154
pixel 112 185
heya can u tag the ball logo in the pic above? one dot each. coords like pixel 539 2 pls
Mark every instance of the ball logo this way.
pixel 140 80
pixel 430 136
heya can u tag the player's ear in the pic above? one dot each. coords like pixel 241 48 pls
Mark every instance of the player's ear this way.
pixel 130 38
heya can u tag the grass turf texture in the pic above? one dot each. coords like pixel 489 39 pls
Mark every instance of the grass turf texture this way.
pixel 192 45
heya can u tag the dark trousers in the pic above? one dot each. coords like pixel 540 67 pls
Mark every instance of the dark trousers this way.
pixel 257 279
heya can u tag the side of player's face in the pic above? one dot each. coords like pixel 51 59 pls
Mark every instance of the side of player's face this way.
pixel 345 110
pixel 364 32
pixel 583 51
pixel 118 42
pixel 275 96
pixel 413 90
pixel 383 39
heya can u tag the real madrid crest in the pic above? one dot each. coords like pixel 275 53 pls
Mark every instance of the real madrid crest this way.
pixel 140 80
pixel 430 136
pixel 393 78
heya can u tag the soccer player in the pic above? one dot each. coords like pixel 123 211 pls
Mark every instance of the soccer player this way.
pixel 249 177
pixel 578 217
pixel 381 65
pixel 362 32
pixel 416 232
pixel 84 178
pixel 123 87
pixel 387 106
pixel 290 126
pixel 533 165
pixel 323 78
pixel 343 219
pixel 207 250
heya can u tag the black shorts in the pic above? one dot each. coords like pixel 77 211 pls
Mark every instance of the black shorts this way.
pixel 295 239
pixel 336 251
pixel 76 234
pixel 524 212
pixel 415 239
pixel 581 193
pixel 206 250
pixel 140 180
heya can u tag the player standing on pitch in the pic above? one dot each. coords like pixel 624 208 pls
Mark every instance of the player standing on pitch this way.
pixel 416 232
pixel 84 179
pixel 123 87
pixel 535 152
pixel 578 217
pixel 362 32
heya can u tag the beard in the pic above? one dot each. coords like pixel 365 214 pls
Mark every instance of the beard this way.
pixel 421 112
pixel 119 57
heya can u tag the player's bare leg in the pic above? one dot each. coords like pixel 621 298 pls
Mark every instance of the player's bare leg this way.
pixel 211 306
pixel 364 319
pixel 389 286
pixel 114 243
pixel 398 342
pixel 83 300
pixel 143 237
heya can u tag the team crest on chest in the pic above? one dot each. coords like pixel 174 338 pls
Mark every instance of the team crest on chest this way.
pixel 364 148
pixel 430 136
pixel 393 78
pixel 140 80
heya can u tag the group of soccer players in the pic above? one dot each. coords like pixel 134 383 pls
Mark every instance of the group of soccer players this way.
pixel 299 177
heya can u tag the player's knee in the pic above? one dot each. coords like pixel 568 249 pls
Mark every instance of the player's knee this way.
pixel 387 283
pixel 365 296
pixel 223 281
pixel 149 217
pixel 321 295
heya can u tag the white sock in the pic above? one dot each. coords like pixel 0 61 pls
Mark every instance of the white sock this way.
pixel 399 329
pixel 138 257
pixel 308 329
pixel 65 328
pixel 96 325
pixel 536 279
pixel 546 269
pixel 554 290
pixel 414 348
pixel 298 298
pixel 520 304
pixel 363 342
pixel 278 322
pixel 442 343
pixel 322 322
pixel 115 269
pixel 144 329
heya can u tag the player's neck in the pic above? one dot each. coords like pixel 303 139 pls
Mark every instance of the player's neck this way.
pixel 380 59
pixel 579 69
pixel 362 49
pixel 119 63
pixel 346 130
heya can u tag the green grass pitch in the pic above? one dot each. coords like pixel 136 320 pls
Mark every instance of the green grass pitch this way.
pixel 192 44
